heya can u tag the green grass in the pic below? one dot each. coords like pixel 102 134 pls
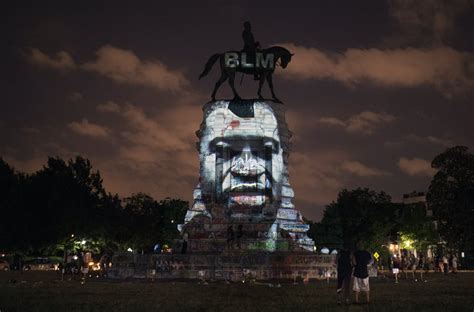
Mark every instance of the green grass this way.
pixel 43 291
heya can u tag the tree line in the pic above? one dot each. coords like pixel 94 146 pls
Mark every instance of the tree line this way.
pixel 371 220
pixel 65 201
pixel 46 211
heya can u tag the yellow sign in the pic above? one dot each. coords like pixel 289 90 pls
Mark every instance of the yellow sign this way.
pixel 376 256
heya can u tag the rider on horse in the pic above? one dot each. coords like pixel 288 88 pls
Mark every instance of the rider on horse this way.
pixel 250 45
pixel 258 62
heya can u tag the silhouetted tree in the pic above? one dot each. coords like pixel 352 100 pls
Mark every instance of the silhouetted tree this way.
pixel 149 222
pixel 358 216
pixel 451 196
pixel 414 223
pixel 64 198
pixel 41 211
pixel 328 232
pixel 11 212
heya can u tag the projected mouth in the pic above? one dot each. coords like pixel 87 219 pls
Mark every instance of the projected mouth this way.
pixel 243 187
pixel 247 191
pixel 246 200
pixel 247 183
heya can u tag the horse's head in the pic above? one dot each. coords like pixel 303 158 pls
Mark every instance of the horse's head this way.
pixel 285 57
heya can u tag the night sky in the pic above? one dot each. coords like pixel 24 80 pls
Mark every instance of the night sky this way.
pixel 375 90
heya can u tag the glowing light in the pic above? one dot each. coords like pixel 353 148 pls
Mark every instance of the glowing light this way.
pixel 94 266
pixel 407 242
pixel 130 249
pixel 75 257
pixel 393 247
pixel 72 235
pixel 83 242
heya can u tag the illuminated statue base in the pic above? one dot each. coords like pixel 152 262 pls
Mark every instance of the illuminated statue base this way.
pixel 231 266
pixel 244 199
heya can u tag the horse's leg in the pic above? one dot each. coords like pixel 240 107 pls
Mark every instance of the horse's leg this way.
pixel 260 84
pixel 222 78
pixel 232 85
pixel 270 84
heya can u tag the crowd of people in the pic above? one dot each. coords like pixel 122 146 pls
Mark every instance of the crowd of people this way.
pixel 352 269
pixel 409 263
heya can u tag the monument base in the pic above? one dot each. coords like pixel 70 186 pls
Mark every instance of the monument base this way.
pixel 231 266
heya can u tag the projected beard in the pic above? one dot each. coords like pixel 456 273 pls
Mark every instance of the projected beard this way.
pixel 244 162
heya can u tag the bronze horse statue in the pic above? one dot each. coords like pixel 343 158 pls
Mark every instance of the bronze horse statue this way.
pixel 227 72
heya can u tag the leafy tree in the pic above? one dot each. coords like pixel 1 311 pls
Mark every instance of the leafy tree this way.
pixel 11 213
pixel 65 198
pixel 360 216
pixel 46 207
pixel 451 196
pixel 42 211
pixel 174 211
pixel 328 232
pixel 415 226
pixel 149 222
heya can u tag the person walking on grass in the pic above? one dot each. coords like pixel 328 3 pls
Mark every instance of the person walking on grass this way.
pixel 362 259
pixel 413 266
pixel 344 275
pixel 445 265
pixel 454 264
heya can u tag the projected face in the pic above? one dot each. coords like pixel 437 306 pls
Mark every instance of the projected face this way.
pixel 242 161
pixel 246 184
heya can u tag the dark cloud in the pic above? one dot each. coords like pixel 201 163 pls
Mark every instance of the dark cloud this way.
pixel 120 65
pixel 84 127
pixel 125 67
pixel 416 166
pixel 362 170
pixel 430 22
pixel 365 122
pixel 62 60
pixel 76 96
pixel 443 68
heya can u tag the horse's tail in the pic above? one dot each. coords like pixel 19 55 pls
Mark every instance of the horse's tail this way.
pixel 209 65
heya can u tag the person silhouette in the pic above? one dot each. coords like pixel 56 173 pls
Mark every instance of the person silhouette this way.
pixel 250 45
pixel 249 41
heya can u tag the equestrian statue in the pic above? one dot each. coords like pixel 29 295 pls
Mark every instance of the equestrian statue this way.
pixel 251 60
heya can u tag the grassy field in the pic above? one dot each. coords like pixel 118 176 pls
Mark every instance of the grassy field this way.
pixel 43 291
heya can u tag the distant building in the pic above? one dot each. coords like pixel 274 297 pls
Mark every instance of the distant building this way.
pixel 417 198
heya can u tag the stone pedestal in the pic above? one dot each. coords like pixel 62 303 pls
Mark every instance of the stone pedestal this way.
pixel 244 195
pixel 232 266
